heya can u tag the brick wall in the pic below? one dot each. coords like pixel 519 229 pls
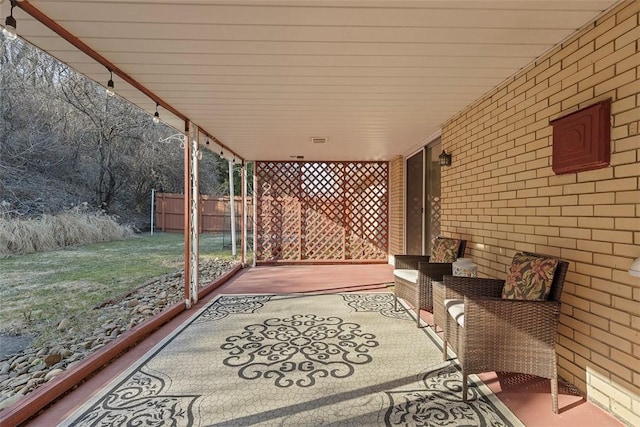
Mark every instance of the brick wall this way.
pixel 396 205
pixel 502 196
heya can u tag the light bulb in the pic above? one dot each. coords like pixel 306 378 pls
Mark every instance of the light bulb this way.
pixel 156 118
pixel 110 85
pixel 9 33
pixel 109 90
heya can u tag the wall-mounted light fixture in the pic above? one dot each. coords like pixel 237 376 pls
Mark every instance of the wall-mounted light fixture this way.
pixel 156 115
pixel 110 86
pixel 634 270
pixel 445 159
pixel 10 24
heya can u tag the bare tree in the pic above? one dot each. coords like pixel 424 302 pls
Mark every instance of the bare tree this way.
pixel 29 119
pixel 64 142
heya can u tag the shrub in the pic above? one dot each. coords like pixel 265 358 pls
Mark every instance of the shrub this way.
pixel 50 232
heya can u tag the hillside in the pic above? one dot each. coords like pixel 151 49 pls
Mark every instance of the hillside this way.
pixel 64 143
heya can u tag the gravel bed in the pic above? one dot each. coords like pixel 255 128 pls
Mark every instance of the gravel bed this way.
pixel 74 339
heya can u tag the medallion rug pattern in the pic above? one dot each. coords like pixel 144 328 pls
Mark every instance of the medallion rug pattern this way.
pixel 295 360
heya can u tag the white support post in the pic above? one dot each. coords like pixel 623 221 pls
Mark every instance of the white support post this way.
pixel 233 210
pixel 244 213
pixel 187 217
pixel 255 212
pixel 194 212
pixel 153 205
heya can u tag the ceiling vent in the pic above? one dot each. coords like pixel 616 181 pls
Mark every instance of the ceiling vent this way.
pixel 318 140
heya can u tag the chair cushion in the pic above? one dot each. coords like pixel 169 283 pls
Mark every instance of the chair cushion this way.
pixel 529 278
pixel 406 275
pixel 444 250
pixel 455 308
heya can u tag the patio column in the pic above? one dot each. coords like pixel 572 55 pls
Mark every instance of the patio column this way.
pixel 233 209
pixel 255 213
pixel 194 212
pixel 187 217
pixel 243 173
pixel 191 203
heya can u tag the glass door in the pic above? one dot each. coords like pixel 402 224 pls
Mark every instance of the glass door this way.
pixel 423 199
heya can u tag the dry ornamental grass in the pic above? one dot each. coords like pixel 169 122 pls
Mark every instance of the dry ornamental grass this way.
pixel 50 232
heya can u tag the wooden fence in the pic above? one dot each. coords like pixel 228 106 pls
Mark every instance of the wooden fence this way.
pixel 214 215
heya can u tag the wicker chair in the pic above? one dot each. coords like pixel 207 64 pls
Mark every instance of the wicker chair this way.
pixel 413 275
pixel 502 335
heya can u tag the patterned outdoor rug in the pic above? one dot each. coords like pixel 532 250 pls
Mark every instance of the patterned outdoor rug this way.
pixel 295 360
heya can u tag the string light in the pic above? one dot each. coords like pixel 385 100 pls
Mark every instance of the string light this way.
pixel 10 24
pixel 110 86
pixel 156 115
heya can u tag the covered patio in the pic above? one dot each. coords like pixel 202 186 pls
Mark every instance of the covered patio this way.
pixel 528 398
pixel 399 83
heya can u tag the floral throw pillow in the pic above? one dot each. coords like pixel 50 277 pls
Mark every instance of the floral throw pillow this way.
pixel 529 277
pixel 444 250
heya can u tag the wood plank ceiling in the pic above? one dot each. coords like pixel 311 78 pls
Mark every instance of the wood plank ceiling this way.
pixel 377 78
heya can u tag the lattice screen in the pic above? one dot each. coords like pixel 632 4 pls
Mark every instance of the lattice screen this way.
pixel 434 218
pixel 321 211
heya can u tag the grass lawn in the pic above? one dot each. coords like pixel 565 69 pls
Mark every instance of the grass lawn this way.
pixel 46 286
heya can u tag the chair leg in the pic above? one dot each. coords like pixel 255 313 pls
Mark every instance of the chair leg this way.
pixel 395 303
pixel 444 349
pixel 554 395
pixel 464 386
pixel 418 317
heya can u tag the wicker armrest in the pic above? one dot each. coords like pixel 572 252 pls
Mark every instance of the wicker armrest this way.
pixel 409 262
pixel 459 287
pixel 520 323
pixel 434 271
